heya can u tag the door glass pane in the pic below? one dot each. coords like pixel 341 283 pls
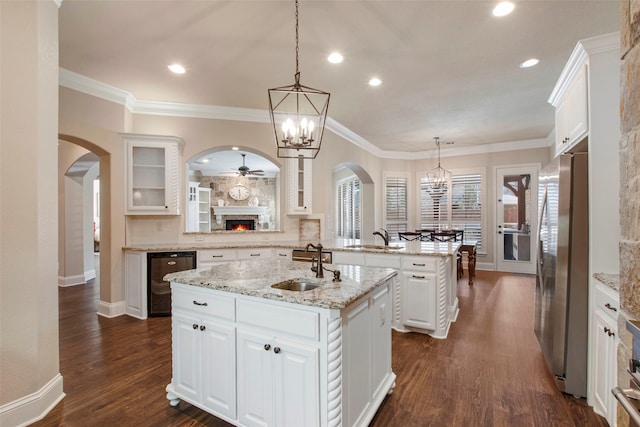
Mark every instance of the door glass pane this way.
pixel 516 227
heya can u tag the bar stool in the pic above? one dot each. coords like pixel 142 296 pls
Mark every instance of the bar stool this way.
pixel 409 235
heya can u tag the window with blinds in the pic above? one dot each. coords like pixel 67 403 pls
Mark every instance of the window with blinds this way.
pixel 458 205
pixel 434 206
pixel 349 208
pixel 395 214
pixel 466 205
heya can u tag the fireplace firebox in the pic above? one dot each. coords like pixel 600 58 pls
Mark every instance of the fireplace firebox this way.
pixel 240 224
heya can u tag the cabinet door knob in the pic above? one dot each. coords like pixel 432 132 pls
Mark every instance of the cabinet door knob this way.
pixel 276 350
pixel 610 307
pixel 202 327
pixel 611 333
pixel 607 330
pixel 267 347
pixel 195 326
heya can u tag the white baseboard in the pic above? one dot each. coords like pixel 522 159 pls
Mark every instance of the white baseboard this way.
pixel 111 309
pixel 88 275
pixel 64 281
pixel 34 407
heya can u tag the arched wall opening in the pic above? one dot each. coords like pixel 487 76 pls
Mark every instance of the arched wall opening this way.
pixel 104 159
pixel 367 201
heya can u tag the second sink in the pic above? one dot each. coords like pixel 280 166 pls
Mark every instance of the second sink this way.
pixel 298 285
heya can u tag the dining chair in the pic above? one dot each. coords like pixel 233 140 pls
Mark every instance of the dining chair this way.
pixel 409 235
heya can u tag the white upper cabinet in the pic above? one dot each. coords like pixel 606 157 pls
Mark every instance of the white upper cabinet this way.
pixel 572 114
pixel 582 93
pixel 299 180
pixel 152 163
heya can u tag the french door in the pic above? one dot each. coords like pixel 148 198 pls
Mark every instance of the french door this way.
pixel 516 218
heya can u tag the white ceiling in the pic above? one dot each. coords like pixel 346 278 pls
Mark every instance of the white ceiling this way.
pixel 449 68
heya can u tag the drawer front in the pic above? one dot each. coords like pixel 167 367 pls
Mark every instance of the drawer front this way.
pixel 209 256
pixel 259 253
pixel 414 263
pixel 282 254
pixel 281 320
pixel 204 302
pixel 607 300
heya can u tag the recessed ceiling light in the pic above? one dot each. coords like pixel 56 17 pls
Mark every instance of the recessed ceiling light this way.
pixel 503 8
pixel 205 160
pixel 235 148
pixel 375 81
pixel 529 63
pixel 177 68
pixel 335 58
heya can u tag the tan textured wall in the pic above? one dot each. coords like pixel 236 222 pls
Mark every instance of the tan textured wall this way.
pixel 629 184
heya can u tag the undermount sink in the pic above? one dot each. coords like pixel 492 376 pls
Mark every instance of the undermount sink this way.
pixel 298 285
pixel 372 247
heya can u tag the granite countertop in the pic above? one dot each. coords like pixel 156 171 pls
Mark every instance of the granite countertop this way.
pixel 611 280
pixel 401 247
pixel 255 277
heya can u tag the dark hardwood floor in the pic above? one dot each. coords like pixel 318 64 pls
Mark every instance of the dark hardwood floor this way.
pixel 488 372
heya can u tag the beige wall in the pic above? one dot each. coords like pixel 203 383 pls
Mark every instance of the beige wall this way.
pixel 28 200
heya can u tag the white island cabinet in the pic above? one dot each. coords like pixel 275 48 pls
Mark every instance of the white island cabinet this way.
pixel 257 356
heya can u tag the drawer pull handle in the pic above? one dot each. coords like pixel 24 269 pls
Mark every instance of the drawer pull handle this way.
pixel 610 307
pixel 419 265
pixel 276 350
pixel 282 254
pixel 171 263
pixel 217 256
pixel 202 304
pixel 267 347
pixel 255 254
pixel 417 277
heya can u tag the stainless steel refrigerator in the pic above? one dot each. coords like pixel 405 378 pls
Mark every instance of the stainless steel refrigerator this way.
pixel 562 282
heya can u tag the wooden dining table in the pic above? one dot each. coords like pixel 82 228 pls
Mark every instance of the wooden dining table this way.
pixel 469 246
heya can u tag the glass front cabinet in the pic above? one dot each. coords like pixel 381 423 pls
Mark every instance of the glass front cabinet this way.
pixel 299 181
pixel 152 164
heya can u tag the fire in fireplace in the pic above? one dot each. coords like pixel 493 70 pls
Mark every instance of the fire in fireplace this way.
pixel 240 224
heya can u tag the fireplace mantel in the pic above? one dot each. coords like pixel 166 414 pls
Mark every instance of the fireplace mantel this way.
pixel 220 211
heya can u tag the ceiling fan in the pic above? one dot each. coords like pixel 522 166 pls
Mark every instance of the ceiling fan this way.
pixel 245 170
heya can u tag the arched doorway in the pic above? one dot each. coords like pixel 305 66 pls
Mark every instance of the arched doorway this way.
pixel 366 203
pixel 104 159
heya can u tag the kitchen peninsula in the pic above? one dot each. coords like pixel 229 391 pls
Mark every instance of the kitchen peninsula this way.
pixel 424 298
pixel 254 354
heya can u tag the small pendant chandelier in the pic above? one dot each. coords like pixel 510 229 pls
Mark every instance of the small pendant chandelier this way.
pixel 298 115
pixel 438 178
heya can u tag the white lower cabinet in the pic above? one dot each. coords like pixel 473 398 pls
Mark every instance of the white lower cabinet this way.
pixel 256 362
pixel 604 338
pixel 278 381
pixel 425 299
pixel 419 306
pixel 204 350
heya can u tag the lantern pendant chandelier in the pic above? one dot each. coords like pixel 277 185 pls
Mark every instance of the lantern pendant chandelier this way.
pixel 298 115
pixel 438 178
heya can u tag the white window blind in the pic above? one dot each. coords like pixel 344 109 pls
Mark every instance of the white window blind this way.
pixel 396 215
pixel 458 205
pixel 434 206
pixel 466 205
pixel 349 208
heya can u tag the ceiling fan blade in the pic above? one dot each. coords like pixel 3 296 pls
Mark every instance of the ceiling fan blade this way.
pixel 257 172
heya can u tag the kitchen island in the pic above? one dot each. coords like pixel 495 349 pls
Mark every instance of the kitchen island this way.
pixel 255 355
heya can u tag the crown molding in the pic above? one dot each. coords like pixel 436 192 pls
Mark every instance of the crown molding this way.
pixel 579 57
pixel 96 88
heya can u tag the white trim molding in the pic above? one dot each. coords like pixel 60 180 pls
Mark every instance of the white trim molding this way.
pixel 111 309
pixel 92 87
pixel 33 407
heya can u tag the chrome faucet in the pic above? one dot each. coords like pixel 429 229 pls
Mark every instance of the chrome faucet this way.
pixel 318 269
pixel 385 236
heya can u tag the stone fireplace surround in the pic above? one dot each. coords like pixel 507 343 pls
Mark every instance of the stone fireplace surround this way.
pixel 221 214
pixel 629 149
